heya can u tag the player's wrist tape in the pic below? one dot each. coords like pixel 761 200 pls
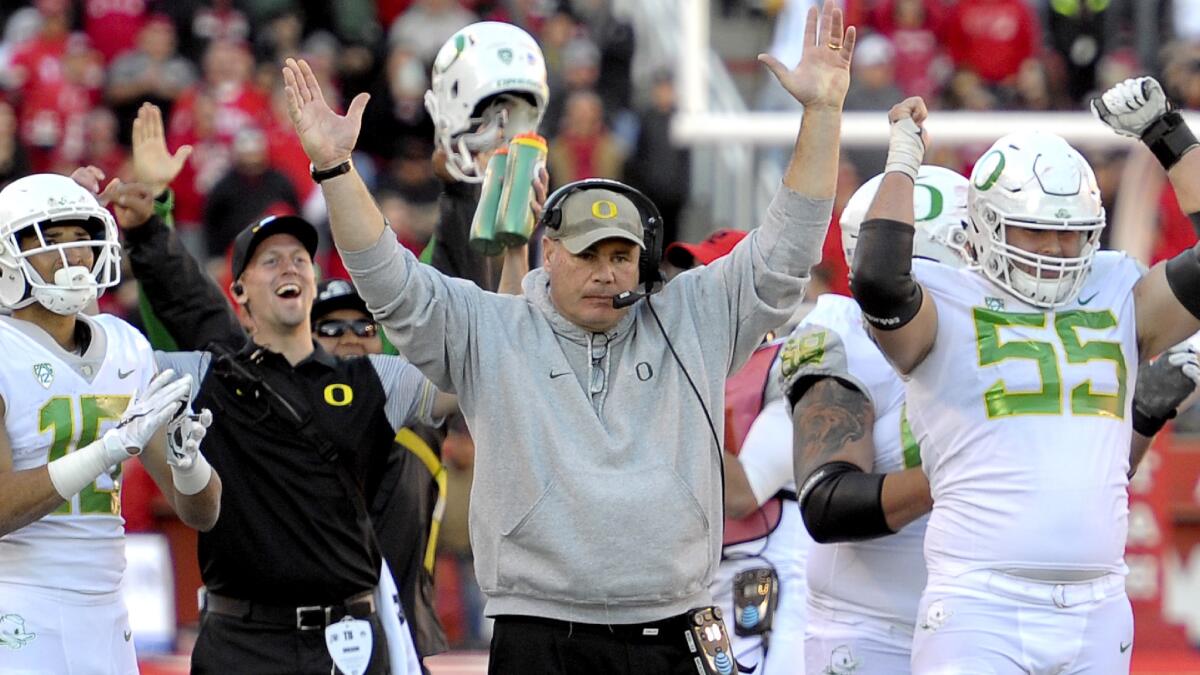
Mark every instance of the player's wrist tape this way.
pixel 906 150
pixel 1183 276
pixel 882 281
pixel 839 502
pixel 76 470
pixel 194 479
pixel 1169 138
pixel 1149 426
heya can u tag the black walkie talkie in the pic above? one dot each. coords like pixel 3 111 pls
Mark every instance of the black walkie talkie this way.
pixel 755 597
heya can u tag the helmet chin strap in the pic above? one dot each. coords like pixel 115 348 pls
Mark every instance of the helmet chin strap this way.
pixel 61 298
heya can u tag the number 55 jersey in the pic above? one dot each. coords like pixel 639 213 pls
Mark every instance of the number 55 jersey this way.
pixel 55 402
pixel 1023 419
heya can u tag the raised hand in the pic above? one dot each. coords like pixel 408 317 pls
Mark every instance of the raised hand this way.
pixel 1130 107
pixel 327 137
pixel 89 178
pixel 185 433
pixel 822 77
pixel 906 148
pixel 133 203
pixel 153 164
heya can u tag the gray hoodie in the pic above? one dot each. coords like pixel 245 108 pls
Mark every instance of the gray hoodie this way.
pixel 605 507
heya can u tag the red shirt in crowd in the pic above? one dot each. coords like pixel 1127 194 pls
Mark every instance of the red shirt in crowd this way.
pixel 917 47
pixel 991 37
pixel 113 25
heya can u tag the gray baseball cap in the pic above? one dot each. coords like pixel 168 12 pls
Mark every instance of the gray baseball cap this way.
pixel 589 216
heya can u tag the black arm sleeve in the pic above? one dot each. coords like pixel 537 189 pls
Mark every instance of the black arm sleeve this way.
pixel 452 254
pixel 190 305
pixel 839 502
pixel 882 280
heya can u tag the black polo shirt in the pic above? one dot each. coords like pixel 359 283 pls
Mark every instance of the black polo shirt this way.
pixel 288 533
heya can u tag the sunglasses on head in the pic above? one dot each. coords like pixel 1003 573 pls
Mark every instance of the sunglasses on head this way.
pixel 363 328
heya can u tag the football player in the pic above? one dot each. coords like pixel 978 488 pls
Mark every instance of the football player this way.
pixel 78 395
pixel 1019 373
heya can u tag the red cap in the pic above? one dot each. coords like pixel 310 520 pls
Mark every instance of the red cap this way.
pixel 719 243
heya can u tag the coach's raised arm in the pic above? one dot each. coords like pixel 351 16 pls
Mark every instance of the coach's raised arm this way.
pixel 595 402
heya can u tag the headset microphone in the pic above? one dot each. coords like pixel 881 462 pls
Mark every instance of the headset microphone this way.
pixel 627 298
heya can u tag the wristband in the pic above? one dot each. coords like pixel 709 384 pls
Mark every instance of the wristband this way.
pixel 76 470
pixel 1149 426
pixel 1169 138
pixel 193 479
pixel 325 174
pixel 906 150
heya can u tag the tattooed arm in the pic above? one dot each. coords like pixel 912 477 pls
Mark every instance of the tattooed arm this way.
pixel 834 454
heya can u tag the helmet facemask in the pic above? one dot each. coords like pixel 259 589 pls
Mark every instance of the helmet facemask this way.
pixel 1036 182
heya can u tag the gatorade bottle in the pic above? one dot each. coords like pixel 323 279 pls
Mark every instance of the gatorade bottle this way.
pixel 483 225
pixel 514 222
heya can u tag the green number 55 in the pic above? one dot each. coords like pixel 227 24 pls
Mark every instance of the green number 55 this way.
pixel 1001 402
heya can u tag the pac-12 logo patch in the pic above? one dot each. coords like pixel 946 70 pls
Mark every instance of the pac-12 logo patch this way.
pixel 44 373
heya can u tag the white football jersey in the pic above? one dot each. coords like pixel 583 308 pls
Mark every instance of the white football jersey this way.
pixel 55 402
pixel 1023 418
pixel 882 577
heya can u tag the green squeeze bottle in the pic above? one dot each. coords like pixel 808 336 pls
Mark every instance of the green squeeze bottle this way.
pixel 483 225
pixel 514 222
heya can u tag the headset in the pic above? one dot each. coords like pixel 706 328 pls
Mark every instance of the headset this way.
pixel 649 277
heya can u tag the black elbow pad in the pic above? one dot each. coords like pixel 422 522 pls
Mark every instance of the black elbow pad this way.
pixel 839 502
pixel 1183 276
pixel 882 281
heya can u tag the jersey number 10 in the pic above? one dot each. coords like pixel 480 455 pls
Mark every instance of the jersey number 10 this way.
pixel 1001 402
pixel 103 496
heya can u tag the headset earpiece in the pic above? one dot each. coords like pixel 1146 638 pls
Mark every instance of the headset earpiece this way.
pixel 238 288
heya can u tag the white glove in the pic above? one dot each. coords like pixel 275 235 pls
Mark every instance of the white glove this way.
pixel 190 471
pixel 149 410
pixel 1130 107
pixel 1184 357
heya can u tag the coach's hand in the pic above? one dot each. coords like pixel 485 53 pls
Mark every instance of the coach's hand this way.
pixel 327 137
pixel 1130 107
pixel 822 77
pixel 153 164
pixel 133 203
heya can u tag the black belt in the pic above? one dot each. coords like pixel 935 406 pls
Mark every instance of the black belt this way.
pixel 311 617
pixel 663 631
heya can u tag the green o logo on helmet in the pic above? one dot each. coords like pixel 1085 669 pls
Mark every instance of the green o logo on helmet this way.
pixel 992 177
pixel 936 203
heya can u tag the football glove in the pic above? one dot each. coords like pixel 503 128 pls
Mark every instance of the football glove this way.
pixel 1130 107
pixel 190 471
pixel 1163 385
pixel 164 397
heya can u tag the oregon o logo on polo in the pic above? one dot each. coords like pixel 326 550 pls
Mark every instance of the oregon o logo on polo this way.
pixel 604 209
pixel 339 394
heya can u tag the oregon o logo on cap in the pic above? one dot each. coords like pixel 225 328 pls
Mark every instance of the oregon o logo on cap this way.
pixel 604 209
pixel 339 394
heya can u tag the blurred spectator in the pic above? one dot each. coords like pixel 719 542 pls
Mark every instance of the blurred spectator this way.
pixel 153 72
pixel 615 40
pixel 580 72
pixel 398 105
pixel 250 190
pixel 100 146
pixel 585 148
pixel 286 154
pixel 38 60
pixel 227 69
pixel 22 26
pixel 410 174
pixel 220 22
pixel 14 163
pixel 53 110
pixel 1033 90
pixel 279 36
pixel 1181 74
pixel 427 24
pixel 992 37
pixel 966 91
pixel 412 229
pixel 914 28
pixel 656 166
pixel 1076 29
pixel 113 25
pixel 527 14
pixel 873 84
pixel 558 30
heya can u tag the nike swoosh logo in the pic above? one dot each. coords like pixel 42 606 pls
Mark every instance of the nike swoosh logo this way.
pixel 1090 298
pixel 1125 646
pixel 554 374
pixel 128 634
pixel 122 374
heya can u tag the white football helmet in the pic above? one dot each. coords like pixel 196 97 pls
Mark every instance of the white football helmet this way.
pixel 488 85
pixel 940 207
pixel 1034 180
pixel 33 204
